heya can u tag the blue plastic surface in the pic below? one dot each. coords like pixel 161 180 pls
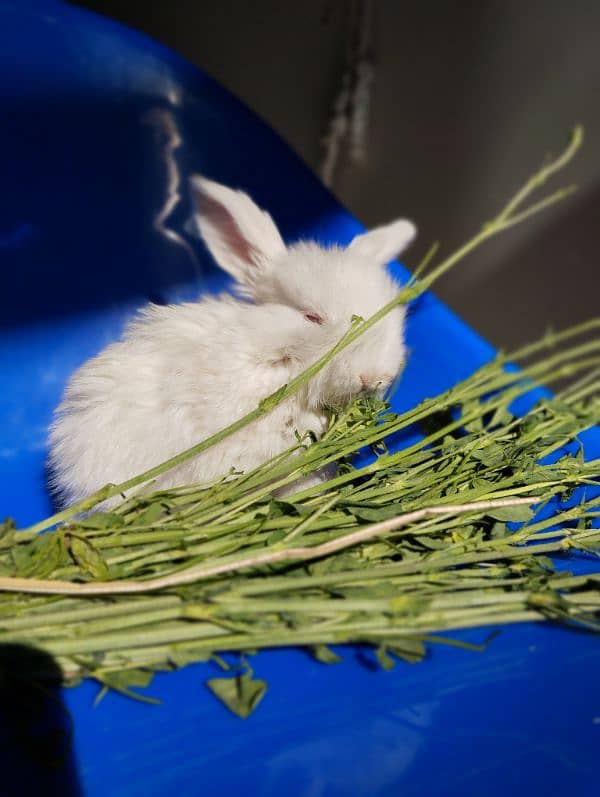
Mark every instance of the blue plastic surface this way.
pixel 100 128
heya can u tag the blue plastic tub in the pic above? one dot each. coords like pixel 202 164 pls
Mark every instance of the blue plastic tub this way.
pixel 100 128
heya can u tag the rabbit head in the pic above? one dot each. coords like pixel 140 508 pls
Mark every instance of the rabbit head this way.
pixel 310 293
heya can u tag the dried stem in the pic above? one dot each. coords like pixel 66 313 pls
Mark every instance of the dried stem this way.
pixel 55 587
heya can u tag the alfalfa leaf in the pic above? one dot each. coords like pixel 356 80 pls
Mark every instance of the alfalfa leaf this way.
pixel 275 537
pixel 7 531
pixel 149 515
pixel 384 659
pixel 375 514
pixel 40 557
pixel 515 514
pixel 325 654
pixel 87 557
pixel 498 530
pixel 240 694
pixel 101 520
pixel 410 649
pixel 490 455
pixel 180 656
pixel 124 681
pixel 476 423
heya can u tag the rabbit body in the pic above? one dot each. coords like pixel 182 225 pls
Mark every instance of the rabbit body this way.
pixel 183 372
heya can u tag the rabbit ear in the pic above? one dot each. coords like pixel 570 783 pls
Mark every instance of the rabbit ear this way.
pixel 383 243
pixel 241 237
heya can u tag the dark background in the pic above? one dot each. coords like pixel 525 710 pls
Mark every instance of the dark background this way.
pixel 467 100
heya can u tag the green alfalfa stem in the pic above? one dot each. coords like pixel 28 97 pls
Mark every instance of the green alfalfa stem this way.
pixel 515 607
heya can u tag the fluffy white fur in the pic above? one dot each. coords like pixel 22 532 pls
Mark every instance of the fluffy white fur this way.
pixel 183 372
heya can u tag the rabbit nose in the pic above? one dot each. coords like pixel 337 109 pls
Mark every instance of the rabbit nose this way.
pixel 366 382
pixel 371 384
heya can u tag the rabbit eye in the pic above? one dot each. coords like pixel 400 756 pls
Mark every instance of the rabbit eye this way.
pixel 314 318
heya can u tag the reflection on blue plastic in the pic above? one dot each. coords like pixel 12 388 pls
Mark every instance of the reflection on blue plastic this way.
pixel 100 130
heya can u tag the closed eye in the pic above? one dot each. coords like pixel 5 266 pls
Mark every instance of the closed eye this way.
pixel 314 318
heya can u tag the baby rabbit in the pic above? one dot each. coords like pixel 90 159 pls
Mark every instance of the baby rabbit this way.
pixel 183 372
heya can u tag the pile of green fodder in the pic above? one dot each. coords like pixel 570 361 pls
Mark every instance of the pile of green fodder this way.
pixel 408 544
pixel 416 540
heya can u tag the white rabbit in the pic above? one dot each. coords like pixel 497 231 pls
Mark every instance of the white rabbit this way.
pixel 183 372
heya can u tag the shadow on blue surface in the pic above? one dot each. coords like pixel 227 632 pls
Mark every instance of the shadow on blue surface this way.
pixel 36 729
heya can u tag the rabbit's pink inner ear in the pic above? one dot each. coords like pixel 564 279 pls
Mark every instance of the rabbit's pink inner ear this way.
pixel 241 237
pixel 227 230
